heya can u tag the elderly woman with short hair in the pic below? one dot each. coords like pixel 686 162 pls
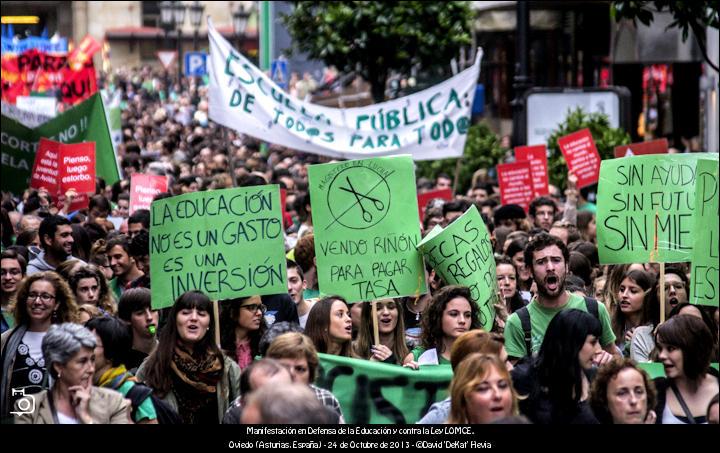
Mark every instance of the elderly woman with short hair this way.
pixel 69 354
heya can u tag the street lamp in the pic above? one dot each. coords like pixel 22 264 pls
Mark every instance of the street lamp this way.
pixel 179 16
pixel 240 21
pixel 167 21
pixel 196 12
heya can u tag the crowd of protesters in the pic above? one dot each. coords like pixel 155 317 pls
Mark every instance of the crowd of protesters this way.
pixel 80 334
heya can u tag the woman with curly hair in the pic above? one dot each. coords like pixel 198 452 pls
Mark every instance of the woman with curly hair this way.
pixel 242 325
pixel 623 394
pixel 451 313
pixel 90 287
pixel 42 299
pixel 187 369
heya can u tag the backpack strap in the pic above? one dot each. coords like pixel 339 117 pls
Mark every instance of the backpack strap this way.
pixel 137 394
pixel 524 316
pixel 592 307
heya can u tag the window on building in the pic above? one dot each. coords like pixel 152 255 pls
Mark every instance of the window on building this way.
pixel 150 14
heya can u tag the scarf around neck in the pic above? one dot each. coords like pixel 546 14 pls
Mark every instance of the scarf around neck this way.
pixel 114 378
pixel 201 373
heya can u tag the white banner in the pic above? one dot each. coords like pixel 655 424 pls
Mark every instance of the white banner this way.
pixel 430 124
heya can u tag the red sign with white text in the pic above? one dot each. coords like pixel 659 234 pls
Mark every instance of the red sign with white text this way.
pixel 59 168
pixel 581 156
pixel 537 156
pixel 516 185
pixel 45 168
pixel 423 198
pixel 143 189
pixel 77 167
pixel 659 146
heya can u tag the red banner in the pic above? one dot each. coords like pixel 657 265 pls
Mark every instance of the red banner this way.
pixel 581 156
pixel 143 189
pixel 39 72
pixel 516 184
pixel 423 198
pixel 659 146
pixel 537 156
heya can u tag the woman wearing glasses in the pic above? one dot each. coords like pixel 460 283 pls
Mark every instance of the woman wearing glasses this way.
pixel 241 326
pixel 42 299
pixel 187 369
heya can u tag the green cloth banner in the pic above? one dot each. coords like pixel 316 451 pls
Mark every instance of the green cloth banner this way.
pixel 704 282
pixel 366 226
pixel 645 208
pixel 462 254
pixel 373 392
pixel 85 122
pixel 226 243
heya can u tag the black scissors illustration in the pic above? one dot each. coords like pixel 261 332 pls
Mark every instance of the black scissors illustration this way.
pixel 367 216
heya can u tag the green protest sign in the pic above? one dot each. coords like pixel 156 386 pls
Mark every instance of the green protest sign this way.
pixel 226 243
pixel 85 122
pixel 366 227
pixel 373 392
pixel 461 254
pixel 645 208
pixel 704 280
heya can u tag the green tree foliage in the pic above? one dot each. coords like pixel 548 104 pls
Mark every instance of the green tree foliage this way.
pixel 606 139
pixel 375 38
pixel 482 150
pixel 695 15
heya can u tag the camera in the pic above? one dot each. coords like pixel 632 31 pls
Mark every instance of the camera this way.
pixel 25 405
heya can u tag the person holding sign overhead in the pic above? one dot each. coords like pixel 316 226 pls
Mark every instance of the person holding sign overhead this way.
pixel 392 348
pixel 329 326
pixel 450 315
pixel 187 369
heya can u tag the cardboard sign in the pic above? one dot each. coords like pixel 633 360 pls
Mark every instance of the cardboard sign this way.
pixel 462 254
pixel 424 198
pixel 581 156
pixel 516 184
pixel 645 208
pixel 226 243
pixel 704 277
pixel 143 189
pixel 366 227
pixel 537 156
pixel 659 146
pixel 372 392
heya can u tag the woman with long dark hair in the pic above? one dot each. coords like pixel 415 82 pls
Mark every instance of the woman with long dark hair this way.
pixel 242 325
pixel 636 307
pixel 329 326
pixel 557 382
pixel 187 369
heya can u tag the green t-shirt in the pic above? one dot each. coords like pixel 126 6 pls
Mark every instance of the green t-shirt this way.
pixel 146 409
pixel 540 317
pixel 116 288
